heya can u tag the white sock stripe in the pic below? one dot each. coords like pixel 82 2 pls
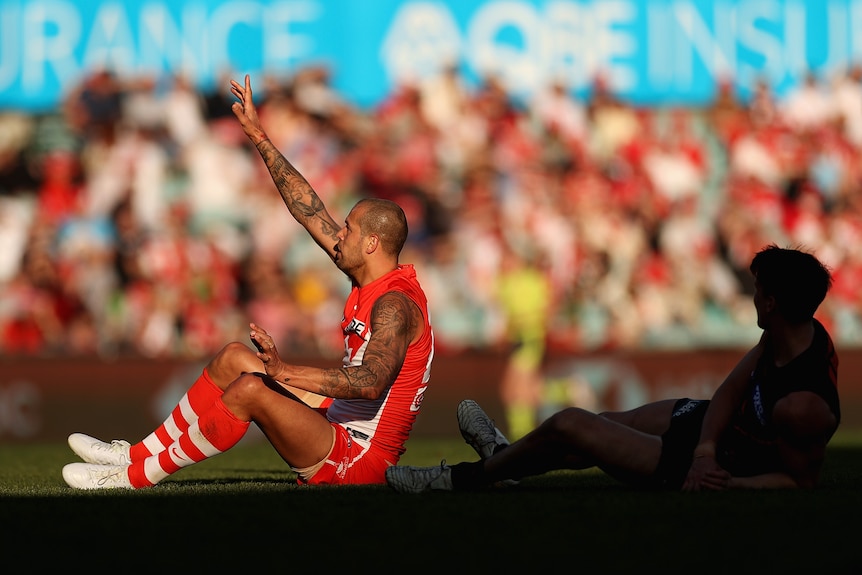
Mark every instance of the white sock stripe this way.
pixel 172 429
pixel 200 441
pixel 186 409
pixel 153 470
pixel 152 443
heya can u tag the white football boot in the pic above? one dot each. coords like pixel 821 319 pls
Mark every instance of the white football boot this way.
pixel 91 476
pixel 93 450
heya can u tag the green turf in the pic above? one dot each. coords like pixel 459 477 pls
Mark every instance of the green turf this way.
pixel 240 510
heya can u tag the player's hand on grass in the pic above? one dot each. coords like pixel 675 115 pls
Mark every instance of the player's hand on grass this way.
pixel 705 474
pixel 715 480
pixel 266 350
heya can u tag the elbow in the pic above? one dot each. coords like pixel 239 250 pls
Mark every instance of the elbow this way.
pixel 370 393
pixel 380 391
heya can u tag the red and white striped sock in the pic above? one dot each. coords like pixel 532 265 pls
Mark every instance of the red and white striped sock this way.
pixel 216 431
pixel 196 400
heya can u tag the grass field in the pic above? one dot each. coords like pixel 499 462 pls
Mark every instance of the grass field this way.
pixel 241 510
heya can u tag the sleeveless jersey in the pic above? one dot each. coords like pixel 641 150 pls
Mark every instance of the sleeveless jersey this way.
pixel 385 423
pixel 749 446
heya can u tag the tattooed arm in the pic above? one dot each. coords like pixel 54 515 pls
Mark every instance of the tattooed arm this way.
pixel 298 195
pixel 396 322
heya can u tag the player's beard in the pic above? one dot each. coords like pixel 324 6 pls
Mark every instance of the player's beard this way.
pixel 347 261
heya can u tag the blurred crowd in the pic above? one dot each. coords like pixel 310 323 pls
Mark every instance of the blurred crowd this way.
pixel 137 219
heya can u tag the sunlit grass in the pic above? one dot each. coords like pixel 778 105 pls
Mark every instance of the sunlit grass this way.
pixel 847 438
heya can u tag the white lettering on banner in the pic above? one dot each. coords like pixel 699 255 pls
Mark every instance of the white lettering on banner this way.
pixel 282 46
pixel 716 48
pixel 20 403
pixel 855 23
pixel 837 40
pixel 164 43
pixel 795 51
pixel 422 38
pixel 110 43
pixel 9 30
pixel 48 42
pixel 672 50
pixel 512 63
pixel 50 33
pixel 570 41
pixel 616 46
pixel 568 45
pixel 752 20
pixel 766 39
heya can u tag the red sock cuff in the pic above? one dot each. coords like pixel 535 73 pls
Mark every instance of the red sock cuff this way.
pixel 139 451
pixel 221 427
pixel 137 477
pixel 203 393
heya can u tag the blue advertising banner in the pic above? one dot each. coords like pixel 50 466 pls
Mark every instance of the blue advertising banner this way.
pixel 648 51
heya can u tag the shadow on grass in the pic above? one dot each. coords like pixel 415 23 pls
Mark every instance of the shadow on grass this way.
pixel 244 510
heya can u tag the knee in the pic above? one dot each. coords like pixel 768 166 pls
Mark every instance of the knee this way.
pixel 234 350
pixel 232 360
pixel 245 389
pixel 565 423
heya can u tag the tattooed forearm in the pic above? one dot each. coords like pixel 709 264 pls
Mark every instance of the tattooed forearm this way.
pixel 300 198
pixel 393 320
pixel 350 383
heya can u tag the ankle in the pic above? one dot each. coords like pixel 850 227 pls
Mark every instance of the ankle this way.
pixel 468 475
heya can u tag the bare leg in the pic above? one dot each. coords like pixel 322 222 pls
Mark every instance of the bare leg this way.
pixel 652 418
pixel 302 436
pixel 578 439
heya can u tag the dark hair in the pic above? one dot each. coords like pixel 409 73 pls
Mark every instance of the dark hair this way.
pixel 795 278
pixel 386 219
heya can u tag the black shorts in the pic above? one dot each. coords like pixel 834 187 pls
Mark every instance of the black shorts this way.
pixel 679 441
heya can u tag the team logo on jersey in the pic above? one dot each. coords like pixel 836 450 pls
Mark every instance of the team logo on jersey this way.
pixel 342 467
pixel 690 405
pixel 355 326
pixel 417 399
pixel 757 400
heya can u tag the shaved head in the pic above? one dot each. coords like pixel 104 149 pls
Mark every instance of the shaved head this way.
pixel 386 220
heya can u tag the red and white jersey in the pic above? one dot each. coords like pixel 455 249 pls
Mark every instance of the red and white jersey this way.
pixel 385 423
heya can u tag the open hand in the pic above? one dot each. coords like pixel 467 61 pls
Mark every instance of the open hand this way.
pixel 266 351
pixel 246 112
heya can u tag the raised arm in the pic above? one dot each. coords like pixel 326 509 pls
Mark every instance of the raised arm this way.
pixel 300 198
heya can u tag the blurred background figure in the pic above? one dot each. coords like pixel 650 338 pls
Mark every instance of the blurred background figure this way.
pixel 524 298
